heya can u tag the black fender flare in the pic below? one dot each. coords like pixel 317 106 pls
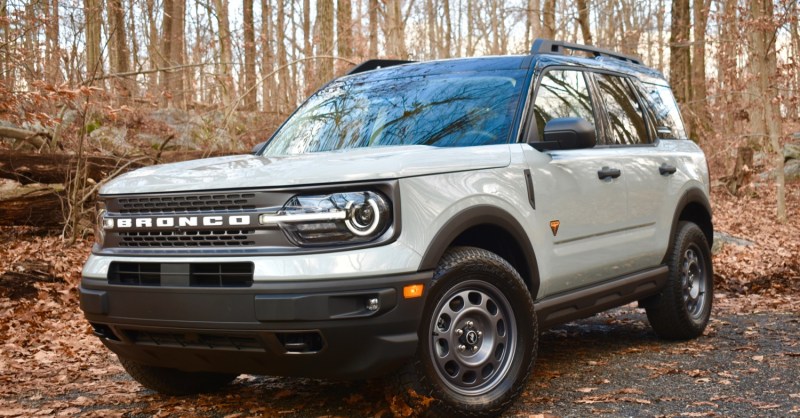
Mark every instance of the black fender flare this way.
pixel 482 215
pixel 693 195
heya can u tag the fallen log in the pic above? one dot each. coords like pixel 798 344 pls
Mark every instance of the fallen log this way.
pixel 37 139
pixel 33 204
pixel 28 168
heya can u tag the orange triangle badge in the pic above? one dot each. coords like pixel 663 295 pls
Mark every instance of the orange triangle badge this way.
pixel 554 227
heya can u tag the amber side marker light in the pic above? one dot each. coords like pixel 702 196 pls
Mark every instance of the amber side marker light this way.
pixel 413 291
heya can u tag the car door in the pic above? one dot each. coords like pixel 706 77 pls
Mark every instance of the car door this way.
pixel 581 206
pixel 648 165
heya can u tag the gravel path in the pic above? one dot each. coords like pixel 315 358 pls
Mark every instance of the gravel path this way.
pixel 746 365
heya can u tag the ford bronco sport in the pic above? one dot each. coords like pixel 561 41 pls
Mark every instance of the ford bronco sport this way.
pixel 426 219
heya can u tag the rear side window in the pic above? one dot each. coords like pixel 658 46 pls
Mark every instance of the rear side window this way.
pixel 625 117
pixel 562 94
pixel 661 104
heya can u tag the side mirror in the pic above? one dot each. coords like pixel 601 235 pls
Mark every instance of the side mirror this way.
pixel 258 148
pixel 568 133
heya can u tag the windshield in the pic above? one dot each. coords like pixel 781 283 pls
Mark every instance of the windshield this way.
pixel 444 110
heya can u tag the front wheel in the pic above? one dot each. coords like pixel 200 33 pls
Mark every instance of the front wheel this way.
pixel 683 308
pixel 478 336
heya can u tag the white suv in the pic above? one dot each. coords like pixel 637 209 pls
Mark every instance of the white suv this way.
pixel 420 218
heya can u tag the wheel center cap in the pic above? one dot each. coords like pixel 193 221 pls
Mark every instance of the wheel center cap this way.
pixel 471 337
pixel 694 291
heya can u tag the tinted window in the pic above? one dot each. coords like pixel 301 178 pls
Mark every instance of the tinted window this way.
pixel 626 121
pixel 562 94
pixel 661 104
pixel 449 110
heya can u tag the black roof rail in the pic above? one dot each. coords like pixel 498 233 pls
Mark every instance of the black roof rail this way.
pixel 547 46
pixel 375 64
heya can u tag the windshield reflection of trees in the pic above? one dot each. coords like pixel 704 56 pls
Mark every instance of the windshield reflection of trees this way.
pixel 439 111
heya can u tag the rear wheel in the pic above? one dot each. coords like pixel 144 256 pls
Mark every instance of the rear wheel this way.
pixel 478 336
pixel 683 308
pixel 173 381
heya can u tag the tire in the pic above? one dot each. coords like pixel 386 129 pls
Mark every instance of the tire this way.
pixel 173 381
pixel 478 337
pixel 683 308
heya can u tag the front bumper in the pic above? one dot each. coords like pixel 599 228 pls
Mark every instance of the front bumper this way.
pixel 320 329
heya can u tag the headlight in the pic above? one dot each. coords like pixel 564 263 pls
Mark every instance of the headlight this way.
pixel 99 223
pixel 350 217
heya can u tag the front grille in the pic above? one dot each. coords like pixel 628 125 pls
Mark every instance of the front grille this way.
pixel 177 204
pixel 180 274
pixel 203 238
pixel 192 340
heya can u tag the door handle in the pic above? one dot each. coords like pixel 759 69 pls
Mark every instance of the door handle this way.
pixel 607 172
pixel 667 170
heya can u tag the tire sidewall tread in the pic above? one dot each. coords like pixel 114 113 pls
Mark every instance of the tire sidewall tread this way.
pixel 420 376
pixel 667 312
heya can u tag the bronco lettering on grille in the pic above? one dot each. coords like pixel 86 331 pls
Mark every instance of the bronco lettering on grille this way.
pixel 182 221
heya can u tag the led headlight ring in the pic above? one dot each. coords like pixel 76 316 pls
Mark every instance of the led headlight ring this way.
pixel 361 223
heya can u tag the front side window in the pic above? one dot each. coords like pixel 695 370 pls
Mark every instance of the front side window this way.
pixel 562 94
pixel 626 121
pixel 442 110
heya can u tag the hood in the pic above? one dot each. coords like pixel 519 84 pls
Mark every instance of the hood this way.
pixel 363 164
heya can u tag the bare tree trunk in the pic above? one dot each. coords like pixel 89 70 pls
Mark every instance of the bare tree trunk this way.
pixel 6 65
pixel 177 82
pixel 373 28
pixel 794 29
pixel 494 23
pixel 94 63
pixel 501 29
pixel 583 21
pixel 765 117
pixel 267 58
pixel 133 85
pixel 308 67
pixel 631 26
pixel 282 90
pixel 325 40
pixel 549 19
pixel 726 62
pixel 53 56
pixel 249 91
pixel 660 18
pixel 470 50
pixel 119 44
pixel 446 47
pixel 291 86
pixel 344 33
pixel 154 55
pixel 30 41
pixel 226 89
pixel 701 118
pixel 679 52
pixel 430 13
pixel 166 50
pixel 395 36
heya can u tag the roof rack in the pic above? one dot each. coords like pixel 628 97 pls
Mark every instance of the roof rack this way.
pixel 375 64
pixel 547 46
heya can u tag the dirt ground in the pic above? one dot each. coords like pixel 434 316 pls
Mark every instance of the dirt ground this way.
pixel 747 364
